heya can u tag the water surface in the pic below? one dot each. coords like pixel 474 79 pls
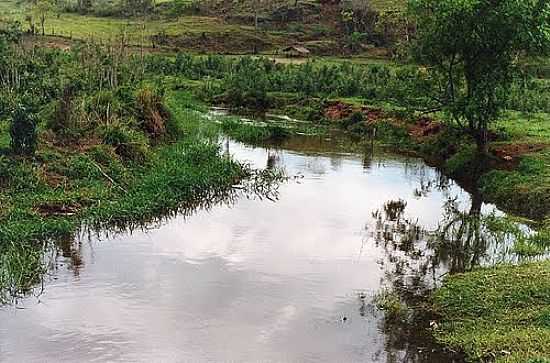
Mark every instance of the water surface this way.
pixel 290 280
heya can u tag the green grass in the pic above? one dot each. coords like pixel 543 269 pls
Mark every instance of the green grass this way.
pixel 135 30
pixel 102 188
pixel 500 314
pixel 385 5
pixel 4 135
pixel 48 197
pixel 525 189
pixel 528 128
pixel 253 133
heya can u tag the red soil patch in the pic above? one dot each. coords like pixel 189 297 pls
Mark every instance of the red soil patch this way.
pixel 425 127
pixel 510 152
pixel 338 111
pixel 372 115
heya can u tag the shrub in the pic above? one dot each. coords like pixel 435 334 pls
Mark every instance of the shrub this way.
pixel 153 115
pixel 277 132
pixel 128 143
pixel 353 119
pixel 23 131
pixel 104 106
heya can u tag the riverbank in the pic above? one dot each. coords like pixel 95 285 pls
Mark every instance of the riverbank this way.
pixel 499 314
pixel 50 196
pixel 493 314
pixel 515 175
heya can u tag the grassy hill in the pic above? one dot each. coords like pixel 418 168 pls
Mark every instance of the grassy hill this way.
pixel 216 26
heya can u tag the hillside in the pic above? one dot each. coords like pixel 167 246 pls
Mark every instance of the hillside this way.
pixel 217 26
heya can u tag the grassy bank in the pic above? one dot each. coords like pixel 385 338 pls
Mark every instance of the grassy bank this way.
pixel 515 175
pixel 50 196
pixel 497 314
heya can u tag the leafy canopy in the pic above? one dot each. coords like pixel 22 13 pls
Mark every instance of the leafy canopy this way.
pixel 472 48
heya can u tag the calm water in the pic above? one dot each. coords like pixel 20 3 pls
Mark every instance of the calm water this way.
pixel 257 280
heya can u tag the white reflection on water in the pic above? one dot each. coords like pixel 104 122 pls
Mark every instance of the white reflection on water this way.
pixel 255 281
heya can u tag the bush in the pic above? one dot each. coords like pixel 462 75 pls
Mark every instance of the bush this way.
pixel 353 119
pixel 152 114
pixel 23 131
pixel 128 143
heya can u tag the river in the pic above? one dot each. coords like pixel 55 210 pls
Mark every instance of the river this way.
pixel 290 279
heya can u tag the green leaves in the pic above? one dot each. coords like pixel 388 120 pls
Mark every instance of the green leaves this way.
pixel 472 45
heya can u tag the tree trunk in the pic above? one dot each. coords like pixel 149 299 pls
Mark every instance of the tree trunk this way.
pixel 482 140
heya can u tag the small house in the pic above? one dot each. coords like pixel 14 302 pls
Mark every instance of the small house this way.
pixel 296 51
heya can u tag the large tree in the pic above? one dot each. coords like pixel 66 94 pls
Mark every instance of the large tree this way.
pixel 472 47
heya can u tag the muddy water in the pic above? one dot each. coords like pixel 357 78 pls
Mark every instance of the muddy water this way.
pixel 290 280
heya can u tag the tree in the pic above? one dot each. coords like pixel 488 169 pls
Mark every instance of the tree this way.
pixel 23 130
pixel 42 9
pixel 472 48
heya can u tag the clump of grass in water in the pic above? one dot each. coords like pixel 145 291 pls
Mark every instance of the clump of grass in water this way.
pixel 21 268
pixel 253 134
pixel 390 303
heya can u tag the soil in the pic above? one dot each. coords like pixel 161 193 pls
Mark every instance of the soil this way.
pixel 516 150
pixel 425 127
pixel 57 209
pixel 338 111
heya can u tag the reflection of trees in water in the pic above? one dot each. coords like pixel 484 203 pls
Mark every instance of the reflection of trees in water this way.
pixel 459 243
pixel 23 266
pixel 415 258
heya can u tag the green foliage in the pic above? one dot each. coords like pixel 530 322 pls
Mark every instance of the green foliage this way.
pixel 497 313
pixel 23 130
pixel 20 268
pixel 464 161
pixel 474 60
pixel 128 143
pixel 390 302
pixel 525 189
pixel 10 32
pixel 42 9
pixel 353 119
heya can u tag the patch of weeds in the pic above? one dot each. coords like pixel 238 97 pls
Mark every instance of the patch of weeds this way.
pixel 394 308
pixel 20 269
pixel 128 143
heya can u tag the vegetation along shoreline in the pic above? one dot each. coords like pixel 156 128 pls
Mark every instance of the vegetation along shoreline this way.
pixel 105 123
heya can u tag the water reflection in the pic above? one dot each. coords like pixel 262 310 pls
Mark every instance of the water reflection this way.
pixel 249 279
pixel 23 266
